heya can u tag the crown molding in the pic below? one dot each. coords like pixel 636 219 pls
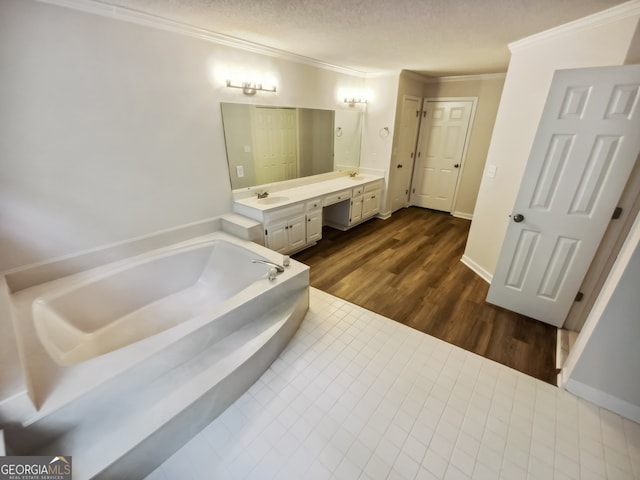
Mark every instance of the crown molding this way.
pixel 139 18
pixel 469 78
pixel 598 19
pixel 416 76
pixel 383 73
pixel 458 78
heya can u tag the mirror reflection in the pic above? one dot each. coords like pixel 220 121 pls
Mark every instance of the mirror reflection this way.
pixel 268 144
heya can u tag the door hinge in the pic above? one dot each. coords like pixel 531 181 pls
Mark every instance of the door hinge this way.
pixel 617 213
pixel 413 191
pixel 424 114
pixel 406 192
pixel 265 232
pixel 579 297
pixel 417 113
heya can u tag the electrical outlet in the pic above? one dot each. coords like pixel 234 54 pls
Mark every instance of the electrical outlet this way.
pixel 239 171
pixel 491 171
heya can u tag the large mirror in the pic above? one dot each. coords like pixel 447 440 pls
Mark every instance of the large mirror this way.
pixel 267 144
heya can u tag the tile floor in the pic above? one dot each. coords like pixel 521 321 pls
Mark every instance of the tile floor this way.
pixel 356 396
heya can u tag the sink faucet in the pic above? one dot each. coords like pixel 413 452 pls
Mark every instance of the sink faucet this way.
pixel 263 194
pixel 353 174
pixel 273 271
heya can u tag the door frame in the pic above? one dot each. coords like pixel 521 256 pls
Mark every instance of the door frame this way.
pixel 607 252
pixel 465 149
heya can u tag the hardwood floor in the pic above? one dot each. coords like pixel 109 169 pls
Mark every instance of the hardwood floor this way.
pixel 408 268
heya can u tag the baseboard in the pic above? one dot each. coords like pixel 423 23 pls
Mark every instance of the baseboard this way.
pixel 477 269
pixel 602 399
pixel 466 216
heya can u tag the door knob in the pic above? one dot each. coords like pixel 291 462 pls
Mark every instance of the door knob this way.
pixel 518 217
pixel 456 165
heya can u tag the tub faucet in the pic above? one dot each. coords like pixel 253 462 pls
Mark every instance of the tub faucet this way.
pixel 273 271
pixel 263 194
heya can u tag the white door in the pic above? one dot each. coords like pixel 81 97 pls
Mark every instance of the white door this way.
pixel 408 134
pixel 275 144
pixel 585 148
pixel 443 136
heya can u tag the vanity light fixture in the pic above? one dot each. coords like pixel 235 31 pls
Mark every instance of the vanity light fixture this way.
pixel 353 100
pixel 249 88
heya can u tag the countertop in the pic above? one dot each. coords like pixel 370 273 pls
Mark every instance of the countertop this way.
pixel 283 198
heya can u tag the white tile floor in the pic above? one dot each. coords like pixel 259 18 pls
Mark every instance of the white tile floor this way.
pixel 357 396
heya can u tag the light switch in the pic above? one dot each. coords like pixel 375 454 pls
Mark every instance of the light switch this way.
pixel 239 171
pixel 491 171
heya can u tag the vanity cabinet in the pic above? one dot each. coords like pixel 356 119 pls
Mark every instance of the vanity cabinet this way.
pixel 293 219
pixel 289 229
pixel 371 203
pixel 314 220
pixel 286 235
pixel 364 202
pixel 285 228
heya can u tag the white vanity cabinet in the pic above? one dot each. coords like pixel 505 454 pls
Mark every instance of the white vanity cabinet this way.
pixel 293 219
pixel 364 203
pixel 355 212
pixel 285 228
pixel 314 220
pixel 371 200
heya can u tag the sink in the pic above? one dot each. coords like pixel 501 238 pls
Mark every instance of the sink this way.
pixel 357 177
pixel 272 200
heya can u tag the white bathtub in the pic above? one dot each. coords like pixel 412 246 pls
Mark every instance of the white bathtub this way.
pixel 111 308
pixel 124 363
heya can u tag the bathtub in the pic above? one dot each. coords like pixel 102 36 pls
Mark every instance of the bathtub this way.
pixel 111 308
pixel 125 362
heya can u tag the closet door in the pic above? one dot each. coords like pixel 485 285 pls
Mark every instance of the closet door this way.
pixel 400 175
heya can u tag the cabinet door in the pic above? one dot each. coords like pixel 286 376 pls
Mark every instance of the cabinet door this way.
pixel 296 232
pixel 276 235
pixel 356 210
pixel 314 226
pixel 371 204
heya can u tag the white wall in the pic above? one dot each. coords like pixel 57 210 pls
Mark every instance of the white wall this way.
pixel 111 130
pixel 603 39
pixel 376 142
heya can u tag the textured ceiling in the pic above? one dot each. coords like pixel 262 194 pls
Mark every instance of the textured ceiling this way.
pixel 434 37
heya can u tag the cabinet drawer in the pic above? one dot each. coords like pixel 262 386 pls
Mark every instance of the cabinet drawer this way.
pixel 358 191
pixel 283 213
pixel 370 187
pixel 337 197
pixel 314 204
